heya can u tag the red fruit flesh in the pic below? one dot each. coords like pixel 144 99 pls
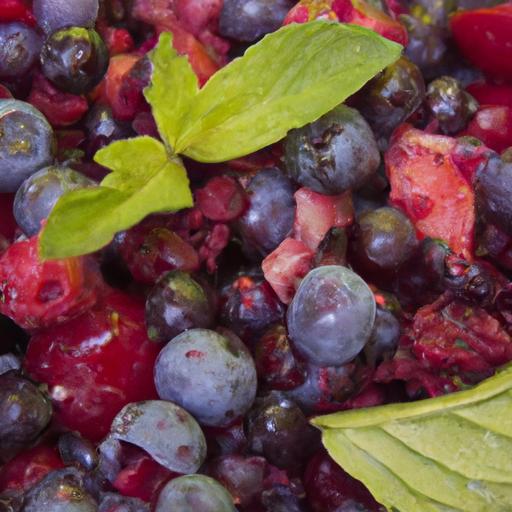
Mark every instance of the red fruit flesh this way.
pixel 38 294
pixel 432 191
pixel 317 213
pixel 28 468
pixel 142 478
pixel 222 199
pixel 60 108
pixel 484 37
pixel 95 364
pixel 286 266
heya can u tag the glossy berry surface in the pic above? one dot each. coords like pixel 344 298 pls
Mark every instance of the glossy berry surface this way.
pixel 209 374
pixel 24 411
pixel 269 217
pixel 384 239
pixel 38 194
pixel 26 143
pixel 249 306
pixel 278 430
pixel 112 360
pixel 333 154
pixel 176 303
pixel 277 364
pixel 331 316
pixel 74 59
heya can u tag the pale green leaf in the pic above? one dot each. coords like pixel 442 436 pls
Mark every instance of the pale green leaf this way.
pixel 451 453
pixel 143 181
pixel 288 79
pixel 172 89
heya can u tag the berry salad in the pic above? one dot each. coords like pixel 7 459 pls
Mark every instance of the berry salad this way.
pixel 255 256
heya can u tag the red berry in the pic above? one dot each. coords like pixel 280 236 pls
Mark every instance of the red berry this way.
pixel 28 468
pixel 142 477
pixel 37 293
pixel 149 252
pixel 60 108
pixel 222 199
pixel 95 364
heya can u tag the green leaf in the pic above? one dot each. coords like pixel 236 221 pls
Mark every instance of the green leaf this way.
pixel 452 453
pixel 172 89
pixel 144 180
pixel 288 79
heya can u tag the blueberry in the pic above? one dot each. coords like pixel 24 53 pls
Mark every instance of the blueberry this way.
pixel 248 20
pixel 26 143
pixel 176 303
pixel 331 316
pixel 335 153
pixel 60 491
pixel 493 191
pixel 450 104
pixel 196 493
pixel 52 15
pixel 111 502
pixel 164 430
pixel 211 375
pixel 269 218
pixel 74 59
pixel 19 49
pixel 76 450
pixel 24 411
pixel 278 430
pixel 384 239
pixel 38 194
pixel 383 342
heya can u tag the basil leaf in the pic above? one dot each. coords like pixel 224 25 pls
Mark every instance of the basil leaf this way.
pixel 172 89
pixel 288 79
pixel 144 180
pixel 444 454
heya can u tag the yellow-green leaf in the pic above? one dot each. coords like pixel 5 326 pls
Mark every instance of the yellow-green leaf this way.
pixel 172 89
pixel 290 78
pixel 144 180
pixel 452 453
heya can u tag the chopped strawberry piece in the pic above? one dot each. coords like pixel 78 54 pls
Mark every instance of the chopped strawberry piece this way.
pixel 428 186
pixel 214 244
pixel 286 266
pixel 493 126
pixel 461 338
pixel 109 90
pixel 484 37
pixel 317 213
pixel 37 293
pixel 358 12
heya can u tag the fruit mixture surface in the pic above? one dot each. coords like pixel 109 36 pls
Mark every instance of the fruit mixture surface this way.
pixel 231 231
